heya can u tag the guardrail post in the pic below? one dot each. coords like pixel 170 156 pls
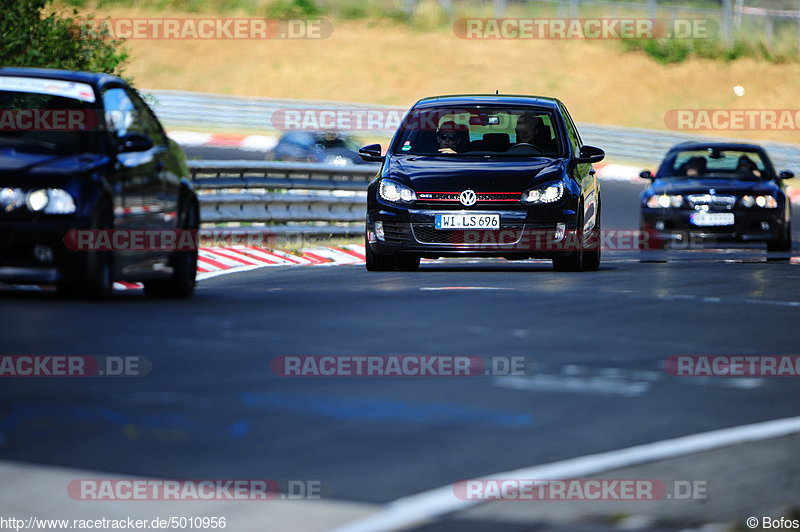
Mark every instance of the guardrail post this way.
pixel 727 20
pixel 499 8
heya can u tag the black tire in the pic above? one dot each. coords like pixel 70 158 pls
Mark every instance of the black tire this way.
pixel 182 282
pixel 378 263
pixel 572 262
pixel 784 243
pixel 407 263
pixel 592 255
pixel 94 277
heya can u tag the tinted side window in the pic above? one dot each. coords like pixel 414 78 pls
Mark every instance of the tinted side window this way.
pixel 120 113
pixel 572 131
pixel 148 121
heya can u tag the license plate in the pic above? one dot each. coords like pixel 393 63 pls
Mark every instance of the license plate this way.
pixel 706 219
pixel 467 221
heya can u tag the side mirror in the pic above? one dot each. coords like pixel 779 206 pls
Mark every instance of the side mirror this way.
pixel 786 174
pixel 646 174
pixel 134 142
pixel 371 153
pixel 590 154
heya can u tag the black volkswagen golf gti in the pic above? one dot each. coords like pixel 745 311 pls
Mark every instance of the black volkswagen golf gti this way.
pixel 83 152
pixel 486 176
pixel 716 193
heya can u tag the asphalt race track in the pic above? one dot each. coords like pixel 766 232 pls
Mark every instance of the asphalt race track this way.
pixel 212 408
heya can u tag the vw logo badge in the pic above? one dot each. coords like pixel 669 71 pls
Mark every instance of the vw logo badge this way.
pixel 468 198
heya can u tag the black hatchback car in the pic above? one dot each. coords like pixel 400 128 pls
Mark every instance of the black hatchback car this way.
pixel 716 193
pixel 488 176
pixel 82 151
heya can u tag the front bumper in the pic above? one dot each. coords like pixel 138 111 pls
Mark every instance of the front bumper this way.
pixel 521 235
pixel 33 251
pixel 674 225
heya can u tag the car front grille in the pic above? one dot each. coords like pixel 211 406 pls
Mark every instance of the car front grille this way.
pixel 724 201
pixel 507 234
pixel 482 197
pixel 393 232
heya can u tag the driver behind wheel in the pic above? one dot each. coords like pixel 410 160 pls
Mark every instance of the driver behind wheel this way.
pixel 451 137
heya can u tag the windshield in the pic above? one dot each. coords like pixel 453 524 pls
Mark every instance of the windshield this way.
pixel 479 131
pixel 48 122
pixel 736 164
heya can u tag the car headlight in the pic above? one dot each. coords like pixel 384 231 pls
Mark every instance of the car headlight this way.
pixel 337 160
pixel 766 202
pixel 395 192
pixel 36 200
pixel 664 201
pixel 748 201
pixel 11 199
pixel 61 202
pixel 544 194
pixel 50 201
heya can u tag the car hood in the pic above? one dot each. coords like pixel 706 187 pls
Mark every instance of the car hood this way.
pixel 702 186
pixel 446 174
pixel 19 163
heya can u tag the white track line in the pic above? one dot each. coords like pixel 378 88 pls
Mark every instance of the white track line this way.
pixel 422 507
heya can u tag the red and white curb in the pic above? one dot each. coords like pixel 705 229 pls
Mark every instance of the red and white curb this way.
pixel 215 261
pixel 192 139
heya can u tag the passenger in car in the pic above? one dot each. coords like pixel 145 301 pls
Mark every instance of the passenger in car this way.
pixel 747 167
pixel 530 129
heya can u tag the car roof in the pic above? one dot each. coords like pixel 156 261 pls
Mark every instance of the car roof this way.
pixel 743 146
pixel 96 79
pixel 488 99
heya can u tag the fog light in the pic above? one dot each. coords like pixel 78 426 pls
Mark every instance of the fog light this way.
pixel 379 230
pixel 43 254
pixel 765 226
pixel 561 230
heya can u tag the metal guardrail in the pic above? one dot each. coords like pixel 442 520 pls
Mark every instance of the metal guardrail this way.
pixel 644 146
pixel 317 199
pixel 302 199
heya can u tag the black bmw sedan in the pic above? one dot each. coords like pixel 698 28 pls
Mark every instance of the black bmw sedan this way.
pixel 486 176
pixel 83 152
pixel 717 193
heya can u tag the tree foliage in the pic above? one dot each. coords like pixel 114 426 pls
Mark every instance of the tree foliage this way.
pixel 34 34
